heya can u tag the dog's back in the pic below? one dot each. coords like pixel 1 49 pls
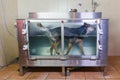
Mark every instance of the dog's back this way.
pixel 69 32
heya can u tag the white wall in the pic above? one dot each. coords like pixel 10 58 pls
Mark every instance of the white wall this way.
pixel 26 6
pixel 2 56
pixel 110 9
pixel 8 41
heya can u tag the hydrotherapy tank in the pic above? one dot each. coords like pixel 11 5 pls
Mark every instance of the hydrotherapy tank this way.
pixel 35 45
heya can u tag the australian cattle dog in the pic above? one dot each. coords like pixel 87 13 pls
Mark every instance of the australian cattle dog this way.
pixel 73 35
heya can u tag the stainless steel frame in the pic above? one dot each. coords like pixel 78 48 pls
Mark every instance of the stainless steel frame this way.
pixel 26 60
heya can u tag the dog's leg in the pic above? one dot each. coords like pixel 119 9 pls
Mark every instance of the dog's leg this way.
pixel 69 47
pixel 55 46
pixel 51 49
pixel 80 44
pixel 70 44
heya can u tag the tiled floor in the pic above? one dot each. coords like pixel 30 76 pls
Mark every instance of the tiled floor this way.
pixel 11 73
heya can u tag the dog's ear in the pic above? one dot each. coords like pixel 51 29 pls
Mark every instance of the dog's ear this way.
pixel 85 24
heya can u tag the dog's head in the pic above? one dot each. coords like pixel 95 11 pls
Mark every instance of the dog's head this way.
pixel 89 28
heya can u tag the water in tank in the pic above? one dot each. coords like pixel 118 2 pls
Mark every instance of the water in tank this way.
pixel 45 39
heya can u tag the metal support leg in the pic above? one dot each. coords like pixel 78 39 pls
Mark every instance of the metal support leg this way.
pixel 21 70
pixel 67 72
pixel 104 71
pixel 63 70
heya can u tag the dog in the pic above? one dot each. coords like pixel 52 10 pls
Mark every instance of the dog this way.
pixel 73 35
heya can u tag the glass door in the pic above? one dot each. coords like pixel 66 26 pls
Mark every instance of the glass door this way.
pixel 81 39
pixel 44 38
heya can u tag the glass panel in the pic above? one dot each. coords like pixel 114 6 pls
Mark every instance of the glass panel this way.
pixel 42 38
pixel 80 38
